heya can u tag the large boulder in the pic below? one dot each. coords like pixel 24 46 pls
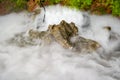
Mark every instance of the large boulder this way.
pixel 63 33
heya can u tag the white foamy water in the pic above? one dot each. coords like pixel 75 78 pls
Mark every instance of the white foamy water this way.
pixel 53 62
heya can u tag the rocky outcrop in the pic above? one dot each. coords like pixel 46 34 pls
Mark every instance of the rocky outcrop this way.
pixel 66 34
pixel 63 33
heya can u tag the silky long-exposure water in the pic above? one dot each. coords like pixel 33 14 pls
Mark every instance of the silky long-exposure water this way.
pixel 53 62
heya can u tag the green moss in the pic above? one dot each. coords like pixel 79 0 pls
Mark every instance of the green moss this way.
pixel 54 1
pixel 80 4
pixel 19 4
pixel 116 7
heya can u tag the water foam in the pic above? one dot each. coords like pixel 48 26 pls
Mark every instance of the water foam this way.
pixel 53 62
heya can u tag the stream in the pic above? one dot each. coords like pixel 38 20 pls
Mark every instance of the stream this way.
pixel 53 62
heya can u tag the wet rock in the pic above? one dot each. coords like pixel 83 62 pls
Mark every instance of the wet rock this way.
pixel 21 40
pixel 86 21
pixel 113 35
pixel 81 44
pixel 107 28
pixel 45 36
pixel 66 34
pixel 63 32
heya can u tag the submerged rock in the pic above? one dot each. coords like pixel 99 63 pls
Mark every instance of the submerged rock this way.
pixel 43 35
pixel 112 35
pixel 81 44
pixel 21 40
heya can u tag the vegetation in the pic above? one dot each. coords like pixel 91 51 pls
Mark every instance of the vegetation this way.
pixel 116 7
pixel 80 4
pixel 101 7
pixel 19 4
pixel 95 6
pixel 54 1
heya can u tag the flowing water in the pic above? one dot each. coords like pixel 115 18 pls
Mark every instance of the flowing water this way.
pixel 54 62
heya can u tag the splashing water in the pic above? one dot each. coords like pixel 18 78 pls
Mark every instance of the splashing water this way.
pixel 53 62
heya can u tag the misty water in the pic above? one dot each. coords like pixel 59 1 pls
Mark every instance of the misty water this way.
pixel 53 62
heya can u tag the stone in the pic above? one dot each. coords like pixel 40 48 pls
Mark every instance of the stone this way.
pixel 81 44
pixel 62 33
pixel 108 28
pixel 21 40
pixel 43 35
pixel 65 34
pixel 112 35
